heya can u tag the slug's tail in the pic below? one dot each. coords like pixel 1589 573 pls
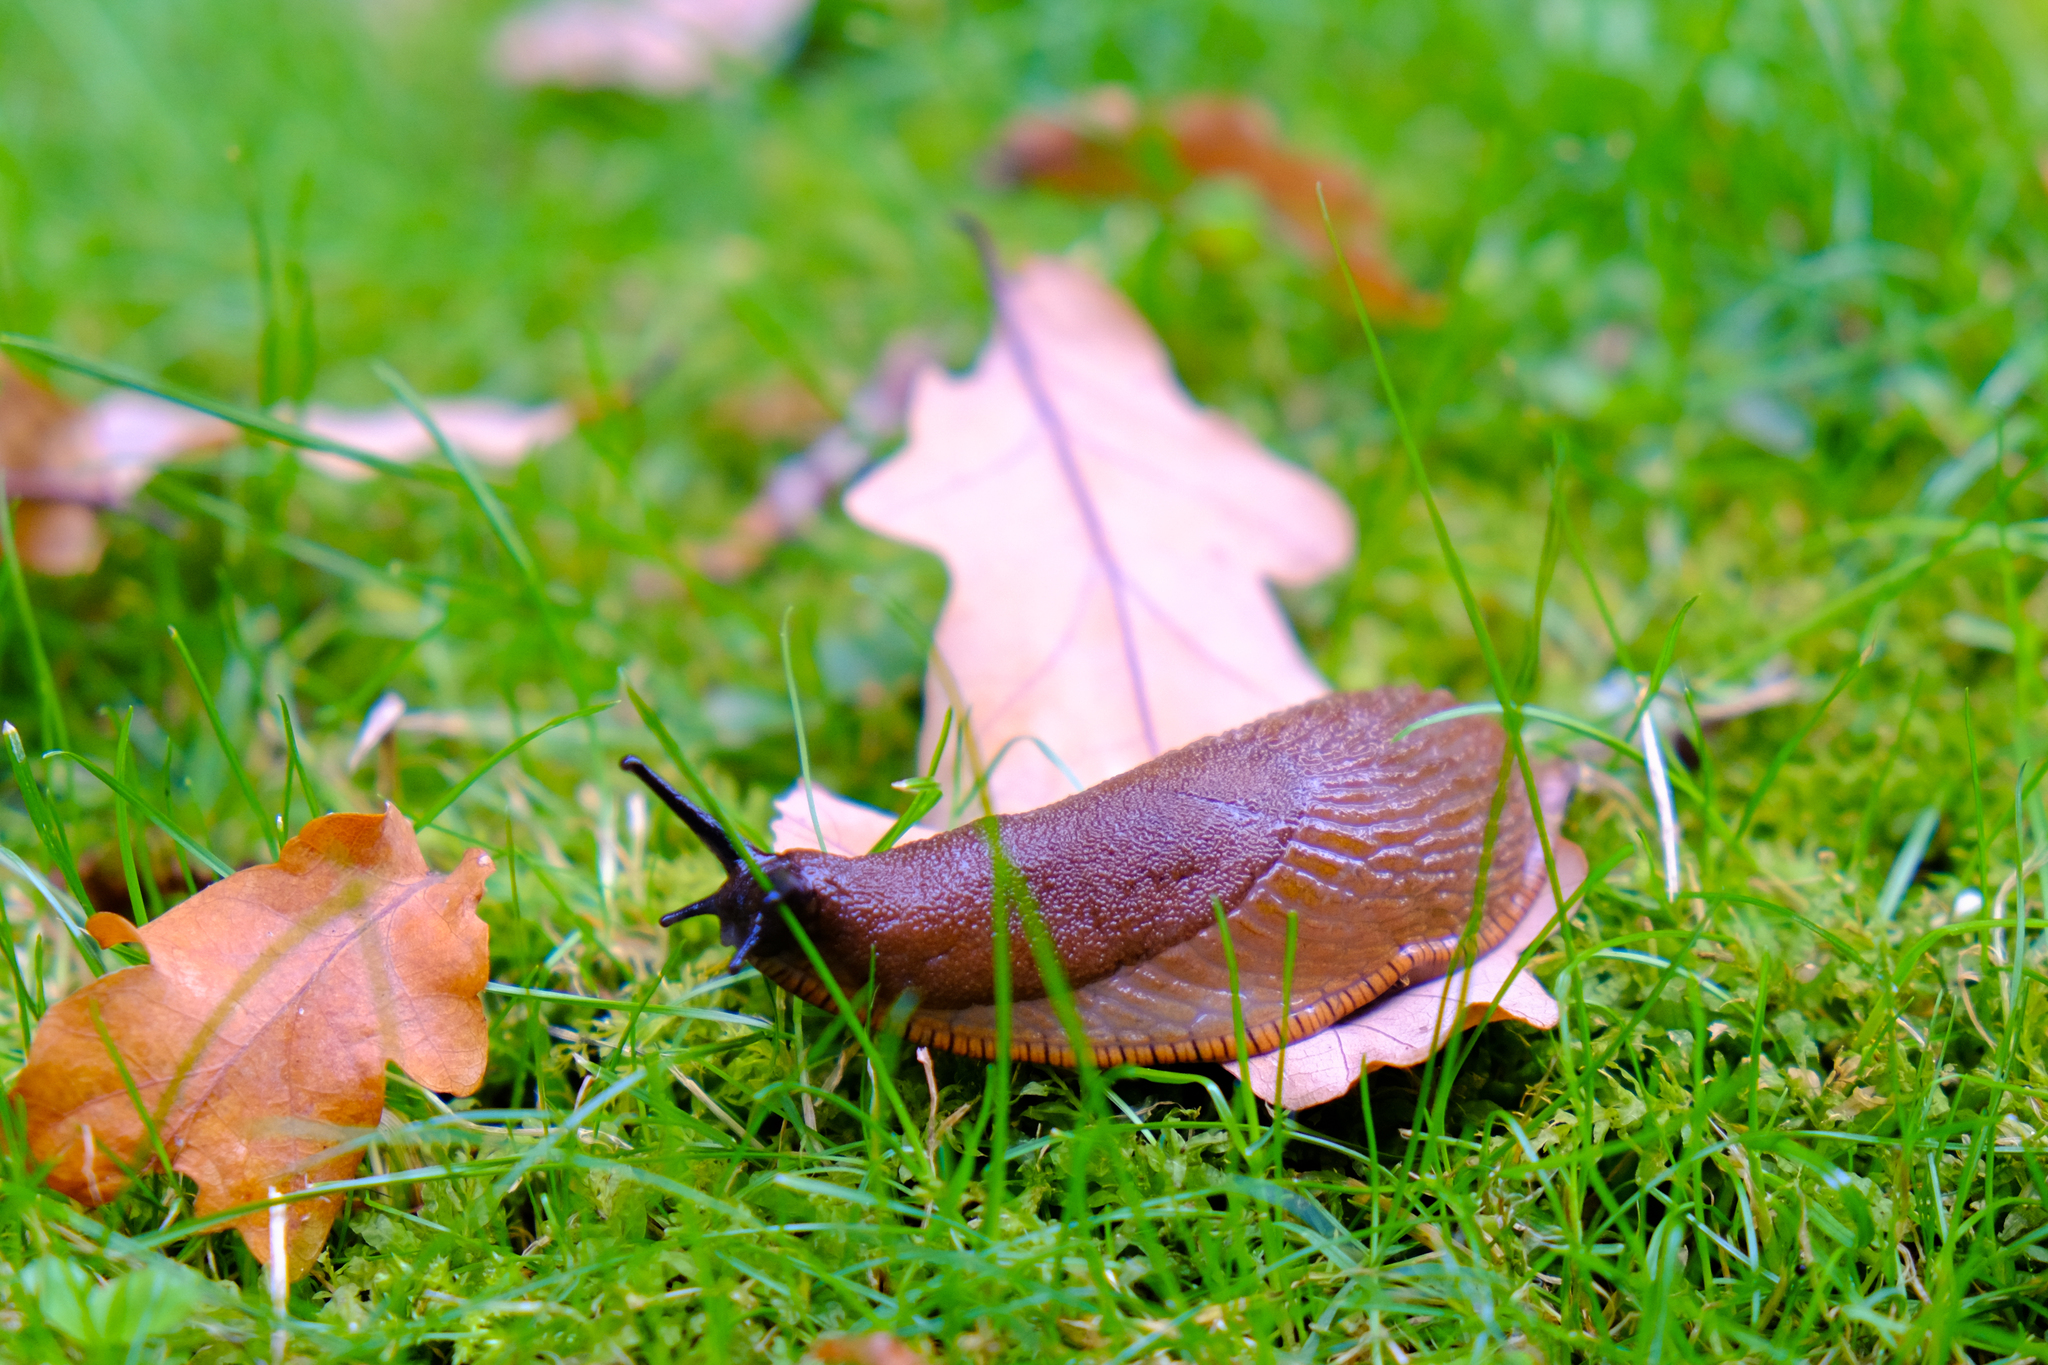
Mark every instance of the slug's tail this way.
pixel 740 904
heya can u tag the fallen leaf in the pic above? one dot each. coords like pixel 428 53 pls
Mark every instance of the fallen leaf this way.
pixel 257 1036
pixel 1106 144
pixel 62 460
pixel 1404 1028
pixel 97 455
pixel 872 1348
pixel 491 430
pixel 1110 546
pixel 850 827
pixel 655 47
pixel 108 929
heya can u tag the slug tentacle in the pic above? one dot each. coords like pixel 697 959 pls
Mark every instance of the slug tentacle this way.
pixel 700 822
pixel 1372 843
pixel 742 907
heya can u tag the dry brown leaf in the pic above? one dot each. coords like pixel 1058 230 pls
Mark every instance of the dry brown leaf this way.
pixel 872 1348
pixel 657 47
pixel 1111 547
pixel 257 1035
pixel 109 929
pixel 1404 1028
pixel 1105 144
pixel 30 415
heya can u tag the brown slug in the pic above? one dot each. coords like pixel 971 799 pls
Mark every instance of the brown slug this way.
pixel 1374 842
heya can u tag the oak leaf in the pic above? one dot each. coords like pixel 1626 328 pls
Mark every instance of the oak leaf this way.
pixel 849 828
pixel 1111 547
pixel 255 1039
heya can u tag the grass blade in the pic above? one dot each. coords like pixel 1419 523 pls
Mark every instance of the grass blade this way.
pixel 500 522
pixel 138 907
pixel 1655 682
pixel 39 662
pixel 1791 746
pixel 36 802
pixel 246 418
pixel 803 744
pixel 227 746
pixel 156 817
pixel 477 774
pixel 1906 866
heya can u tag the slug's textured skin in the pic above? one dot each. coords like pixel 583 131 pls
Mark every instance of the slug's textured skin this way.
pixel 1375 844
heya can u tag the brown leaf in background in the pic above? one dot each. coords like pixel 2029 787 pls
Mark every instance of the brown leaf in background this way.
pixel 53 454
pixel 257 1036
pixel 1106 145
pixel 1405 1027
pixel 1111 547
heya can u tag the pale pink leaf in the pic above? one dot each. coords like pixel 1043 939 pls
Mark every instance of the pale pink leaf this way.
pixel 108 450
pixel 490 430
pixel 130 434
pixel 1115 605
pixel 851 827
pixel 101 454
pixel 656 47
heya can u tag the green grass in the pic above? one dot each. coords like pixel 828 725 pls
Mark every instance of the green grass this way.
pixel 1784 1120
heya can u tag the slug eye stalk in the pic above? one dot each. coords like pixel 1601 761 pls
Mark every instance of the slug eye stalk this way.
pixel 700 822
pixel 740 904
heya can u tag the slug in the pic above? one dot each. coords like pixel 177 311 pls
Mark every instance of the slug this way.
pixel 1375 843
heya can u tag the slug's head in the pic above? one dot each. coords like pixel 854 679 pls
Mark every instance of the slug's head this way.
pixel 747 912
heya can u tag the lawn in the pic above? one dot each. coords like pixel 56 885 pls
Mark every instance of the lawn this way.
pixel 1735 379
